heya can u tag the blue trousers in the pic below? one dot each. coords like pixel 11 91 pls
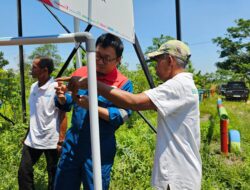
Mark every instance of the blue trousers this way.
pixel 71 173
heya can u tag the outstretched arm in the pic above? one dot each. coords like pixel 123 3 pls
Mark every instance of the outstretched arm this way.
pixel 125 99
pixel 118 97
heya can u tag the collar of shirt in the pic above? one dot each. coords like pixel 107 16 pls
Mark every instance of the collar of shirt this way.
pixel 109 78
pixel 46 85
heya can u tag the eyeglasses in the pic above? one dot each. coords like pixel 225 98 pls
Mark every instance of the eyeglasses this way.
pixel 105 60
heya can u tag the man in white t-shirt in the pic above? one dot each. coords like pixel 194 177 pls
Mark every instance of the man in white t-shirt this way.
pixel 47 126
pixel 177 163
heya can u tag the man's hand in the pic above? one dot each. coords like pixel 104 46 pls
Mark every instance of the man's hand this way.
pixel 59 148
pixel 74 83
pixel 60 92
pixel 82 101
pixel 83 83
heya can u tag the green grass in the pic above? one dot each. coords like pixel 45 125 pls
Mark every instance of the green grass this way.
pixel 219 171
pixel 135 151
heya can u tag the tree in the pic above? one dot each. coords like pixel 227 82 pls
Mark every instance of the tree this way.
pixel 84 59
pixel 49 50
pixel 157 42
pixel 3 62
pixel 205 81
pixel 10 94
pixel 235 49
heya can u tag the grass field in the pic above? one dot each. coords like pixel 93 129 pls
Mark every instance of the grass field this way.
pixel 136 143
pixel 219 171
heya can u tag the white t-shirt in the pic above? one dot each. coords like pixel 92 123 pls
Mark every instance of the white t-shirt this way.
pixel 44 122
pixel 177 159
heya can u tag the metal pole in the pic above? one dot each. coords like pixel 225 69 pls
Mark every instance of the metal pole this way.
pixel 64 67
pixel 64 27
pixel 78 53
pixel 7 119
pixel 94 120
pixel 21 60
pixel 73 52
pixel 57 38
pixel 140 55
pixel 178 19
pixel 92 87
pixel 68 31
pixel 149 124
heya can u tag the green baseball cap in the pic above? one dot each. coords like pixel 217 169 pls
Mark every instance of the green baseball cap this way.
pixel 173 47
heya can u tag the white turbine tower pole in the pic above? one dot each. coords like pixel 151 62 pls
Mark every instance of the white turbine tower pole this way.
pixel 78 53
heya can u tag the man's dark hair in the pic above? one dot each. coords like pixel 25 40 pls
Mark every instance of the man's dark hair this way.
pixel 107 39
pixel 46 62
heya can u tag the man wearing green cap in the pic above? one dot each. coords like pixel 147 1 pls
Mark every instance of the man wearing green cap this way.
pixel 177 162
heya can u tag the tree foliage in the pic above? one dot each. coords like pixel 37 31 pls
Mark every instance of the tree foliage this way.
pixel 48 50
pixel 235 49
pixel 10 94
pixel 83 61
pixel 156 43
pixel 3 62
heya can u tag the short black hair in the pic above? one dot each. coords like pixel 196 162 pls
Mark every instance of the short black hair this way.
pixel 46 62
pixel 107 39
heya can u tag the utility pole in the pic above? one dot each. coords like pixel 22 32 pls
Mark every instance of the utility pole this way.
pixel 21 59
pixel 178 19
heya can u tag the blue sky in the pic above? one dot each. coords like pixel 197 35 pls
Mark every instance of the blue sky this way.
pixel 201 21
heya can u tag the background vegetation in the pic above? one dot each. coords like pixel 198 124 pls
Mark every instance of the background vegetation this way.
pixel 135 140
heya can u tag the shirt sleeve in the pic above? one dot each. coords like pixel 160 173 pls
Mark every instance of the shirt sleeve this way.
pixel 68 104
pixel 117 116
pixel 167 98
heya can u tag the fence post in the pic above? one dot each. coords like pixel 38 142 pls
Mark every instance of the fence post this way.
pixel 224 135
